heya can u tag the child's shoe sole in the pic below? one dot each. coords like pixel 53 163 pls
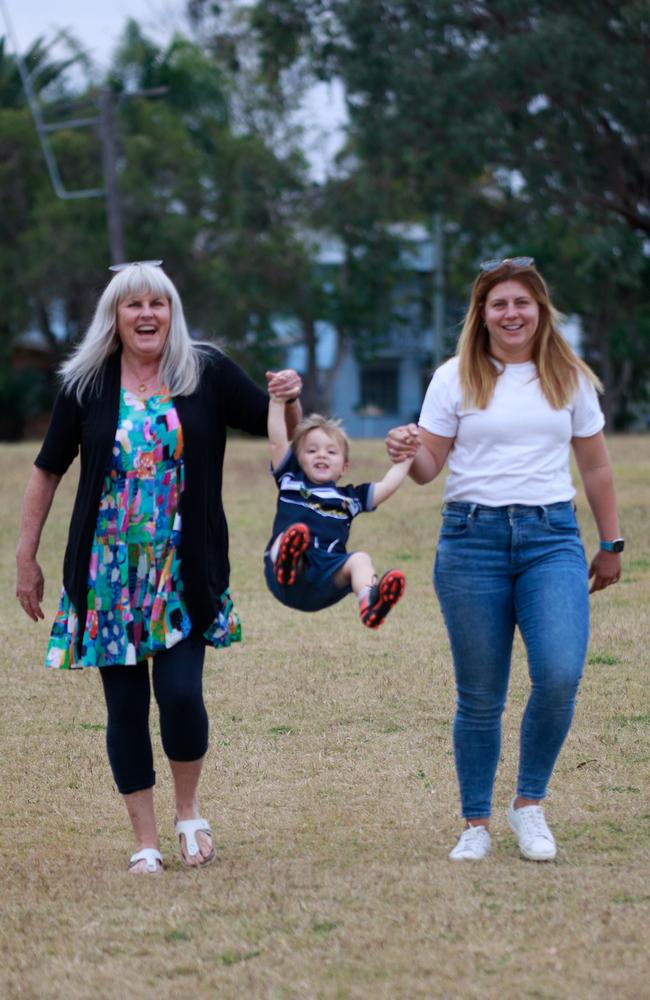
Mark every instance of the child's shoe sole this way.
pixel 295 542
pixel 383 596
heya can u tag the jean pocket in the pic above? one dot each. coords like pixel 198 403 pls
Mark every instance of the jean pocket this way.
pixel 454 523
pixel 562 521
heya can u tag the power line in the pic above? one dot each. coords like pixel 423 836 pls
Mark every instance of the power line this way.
pixel 105 122
pixel 42 128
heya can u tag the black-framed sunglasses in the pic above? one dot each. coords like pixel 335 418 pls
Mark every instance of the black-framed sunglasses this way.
pixel 130 263
pixel 495 262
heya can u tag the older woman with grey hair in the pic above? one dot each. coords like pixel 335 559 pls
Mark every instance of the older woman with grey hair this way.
pixel 145 573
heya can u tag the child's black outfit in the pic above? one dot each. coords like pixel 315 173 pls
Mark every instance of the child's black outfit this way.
pixel 327 510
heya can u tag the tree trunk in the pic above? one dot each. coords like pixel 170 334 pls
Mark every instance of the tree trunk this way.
pixel 310 392
pixel 330 376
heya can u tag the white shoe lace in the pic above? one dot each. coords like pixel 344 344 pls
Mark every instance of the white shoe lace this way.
pixel 473 839
pixel 532 822
pixel 472 834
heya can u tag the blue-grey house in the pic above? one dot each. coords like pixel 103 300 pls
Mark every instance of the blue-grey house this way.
pixel 371 396
pixel 375 394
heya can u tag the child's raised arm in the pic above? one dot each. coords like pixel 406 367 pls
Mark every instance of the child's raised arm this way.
pixel 277 429
pixel 285 411
pixel 391 481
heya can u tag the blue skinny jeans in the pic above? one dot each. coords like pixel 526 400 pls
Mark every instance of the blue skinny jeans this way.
pixel 495 568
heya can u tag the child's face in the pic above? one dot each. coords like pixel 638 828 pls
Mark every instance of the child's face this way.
pixel 321 457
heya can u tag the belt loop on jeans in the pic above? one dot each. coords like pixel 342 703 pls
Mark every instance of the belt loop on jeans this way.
pixel 543 512
pixel 472 511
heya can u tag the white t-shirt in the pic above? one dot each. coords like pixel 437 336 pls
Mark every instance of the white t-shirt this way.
pixel 516 451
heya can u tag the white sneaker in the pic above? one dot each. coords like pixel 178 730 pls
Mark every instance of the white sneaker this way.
pixel 536 842
pixel 473 844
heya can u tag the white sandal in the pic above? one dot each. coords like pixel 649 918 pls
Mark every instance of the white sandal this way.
pixel 153 858
pixel 189 828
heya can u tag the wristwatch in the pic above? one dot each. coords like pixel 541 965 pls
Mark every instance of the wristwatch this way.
pixel 615 545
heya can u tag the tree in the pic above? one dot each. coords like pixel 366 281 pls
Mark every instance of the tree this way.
pixel 204 192
pixel 525 124
pixel 443 91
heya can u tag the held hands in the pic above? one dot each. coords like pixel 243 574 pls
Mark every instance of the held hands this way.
pixel 402 442
pixel 29 587
pixel 284 386
pixel 605 569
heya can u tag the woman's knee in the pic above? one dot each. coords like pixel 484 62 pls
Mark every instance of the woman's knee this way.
pixel 556 692
pixel 480 708
pixel 180 702
pixel 555 674
pixel 181 707
pixel 184 728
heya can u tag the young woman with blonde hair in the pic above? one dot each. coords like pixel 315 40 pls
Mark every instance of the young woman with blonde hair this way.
pixel 504 414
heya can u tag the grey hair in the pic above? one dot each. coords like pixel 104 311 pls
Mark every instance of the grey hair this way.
pixel 179 367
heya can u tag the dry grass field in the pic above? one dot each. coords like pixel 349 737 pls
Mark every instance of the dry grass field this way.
pixel 331 789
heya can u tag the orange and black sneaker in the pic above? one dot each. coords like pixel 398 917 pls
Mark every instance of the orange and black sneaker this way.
pixel 295 542
pixel 381 597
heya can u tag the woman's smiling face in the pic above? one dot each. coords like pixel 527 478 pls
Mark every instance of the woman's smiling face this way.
pixel 143 322
pixel 511 316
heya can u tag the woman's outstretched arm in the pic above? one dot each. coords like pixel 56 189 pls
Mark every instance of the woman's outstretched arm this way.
pixel 428 460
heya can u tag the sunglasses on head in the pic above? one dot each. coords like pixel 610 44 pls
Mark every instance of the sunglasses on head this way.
pixel 495 262
pixel 131 263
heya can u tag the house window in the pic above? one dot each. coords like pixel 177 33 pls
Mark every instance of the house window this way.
pixel 379 387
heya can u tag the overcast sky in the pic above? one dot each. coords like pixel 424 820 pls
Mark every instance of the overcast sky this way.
pixel 98 25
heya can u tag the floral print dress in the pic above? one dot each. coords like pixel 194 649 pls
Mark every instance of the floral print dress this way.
pixel 135 591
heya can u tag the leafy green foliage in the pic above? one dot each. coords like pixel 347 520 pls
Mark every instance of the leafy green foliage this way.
pixel 526 124
pixel 210 197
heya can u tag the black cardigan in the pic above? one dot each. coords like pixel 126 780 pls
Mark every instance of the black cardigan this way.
pixel 225 397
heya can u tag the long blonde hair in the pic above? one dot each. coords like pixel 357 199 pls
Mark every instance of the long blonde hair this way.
pixel 558 366
pixel 179 366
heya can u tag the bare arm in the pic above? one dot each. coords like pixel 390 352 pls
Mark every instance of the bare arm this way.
pixel 428 460
pixel 391 481
pixel 595 469
pixel 29 578
pixel 292 416
pixel 284 389
pixel 278 437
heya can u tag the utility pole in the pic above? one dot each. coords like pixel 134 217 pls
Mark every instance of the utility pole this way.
pixel 109 170
pixel 106 125
pixel 438 285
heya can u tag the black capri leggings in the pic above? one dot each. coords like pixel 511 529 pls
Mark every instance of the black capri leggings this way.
pixel 177 684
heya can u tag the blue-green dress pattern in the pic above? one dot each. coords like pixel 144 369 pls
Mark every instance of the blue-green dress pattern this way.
pixel 136 606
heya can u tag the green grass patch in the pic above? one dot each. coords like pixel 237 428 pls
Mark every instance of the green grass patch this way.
pixel 632 564
pixel 631 720
pixel 177 935
pixel 324 926
pixel 235 957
